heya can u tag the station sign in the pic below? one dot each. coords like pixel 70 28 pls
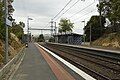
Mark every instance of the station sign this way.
pixel 8 22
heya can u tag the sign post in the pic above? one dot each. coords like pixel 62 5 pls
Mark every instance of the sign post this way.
pixel 6 37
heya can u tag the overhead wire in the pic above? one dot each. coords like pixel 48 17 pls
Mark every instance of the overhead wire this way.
pixel 61 10
pixel 82 9
pixel 68 9
pixel 76 20
pixel 71 6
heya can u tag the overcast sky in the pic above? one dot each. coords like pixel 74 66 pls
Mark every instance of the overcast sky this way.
pixel 42 11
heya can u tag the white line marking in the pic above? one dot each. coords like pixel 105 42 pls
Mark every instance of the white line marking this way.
pixel 75 69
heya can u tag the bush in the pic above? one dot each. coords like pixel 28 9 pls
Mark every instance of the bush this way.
pixel 41 38
pixel 52 39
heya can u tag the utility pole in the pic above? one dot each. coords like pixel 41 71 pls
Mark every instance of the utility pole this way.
pixel 90 36
pixel 28 28
pixel 41 31
pixel 100 14
pixel 51 27
pixel 55 29
pixel 84 32
pixel 6 37
pixel 56 38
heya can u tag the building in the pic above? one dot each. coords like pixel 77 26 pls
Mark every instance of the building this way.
pixel 69 38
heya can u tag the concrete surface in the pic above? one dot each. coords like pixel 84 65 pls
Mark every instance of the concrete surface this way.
pixel 34 67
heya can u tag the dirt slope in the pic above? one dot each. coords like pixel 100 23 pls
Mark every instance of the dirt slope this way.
pixel 110 40
pixel 14 46
pixel 1 51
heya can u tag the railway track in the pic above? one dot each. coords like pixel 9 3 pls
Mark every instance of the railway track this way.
pixel 95 63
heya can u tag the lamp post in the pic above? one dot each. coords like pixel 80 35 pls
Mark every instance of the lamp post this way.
pixel 28 28
pixel 84 32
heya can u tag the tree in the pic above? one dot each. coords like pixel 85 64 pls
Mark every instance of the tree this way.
pixel 2 28
pixel 17 29
pixel 52 39
pixel 1 13
pixel 10 11
pixel 10 7
pixel 111 10
pixel 65 25
pixel 22 24
pixel 95 28
pixel 41 38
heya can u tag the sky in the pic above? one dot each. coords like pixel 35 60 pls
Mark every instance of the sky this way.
pixel 42 11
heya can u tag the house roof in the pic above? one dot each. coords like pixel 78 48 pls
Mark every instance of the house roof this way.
pixel 68 34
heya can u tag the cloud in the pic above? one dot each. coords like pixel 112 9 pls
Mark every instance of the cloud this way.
pixel 42 11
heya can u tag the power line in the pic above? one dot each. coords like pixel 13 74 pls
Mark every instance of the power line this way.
pixel 62 9
pixel 82 10
pixel 84 18
pixel 71 6
pixel 68 9
pixel 84 15
pixel 47 24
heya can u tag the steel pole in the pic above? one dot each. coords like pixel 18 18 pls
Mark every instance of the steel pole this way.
pixel 56 38
pixel 6 33
pixel 51 27
pixel 55 29
pixel 28 29
pixel 90 36
pixel 100 18
pixel 84 32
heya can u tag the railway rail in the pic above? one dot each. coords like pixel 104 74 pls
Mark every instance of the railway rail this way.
pixel 102 65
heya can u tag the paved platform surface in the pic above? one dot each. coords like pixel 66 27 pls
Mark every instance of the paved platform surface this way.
pixel 34 66
pixel 108 49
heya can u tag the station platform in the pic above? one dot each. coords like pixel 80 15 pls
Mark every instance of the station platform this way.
pixel 38 65
pixel 99 48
